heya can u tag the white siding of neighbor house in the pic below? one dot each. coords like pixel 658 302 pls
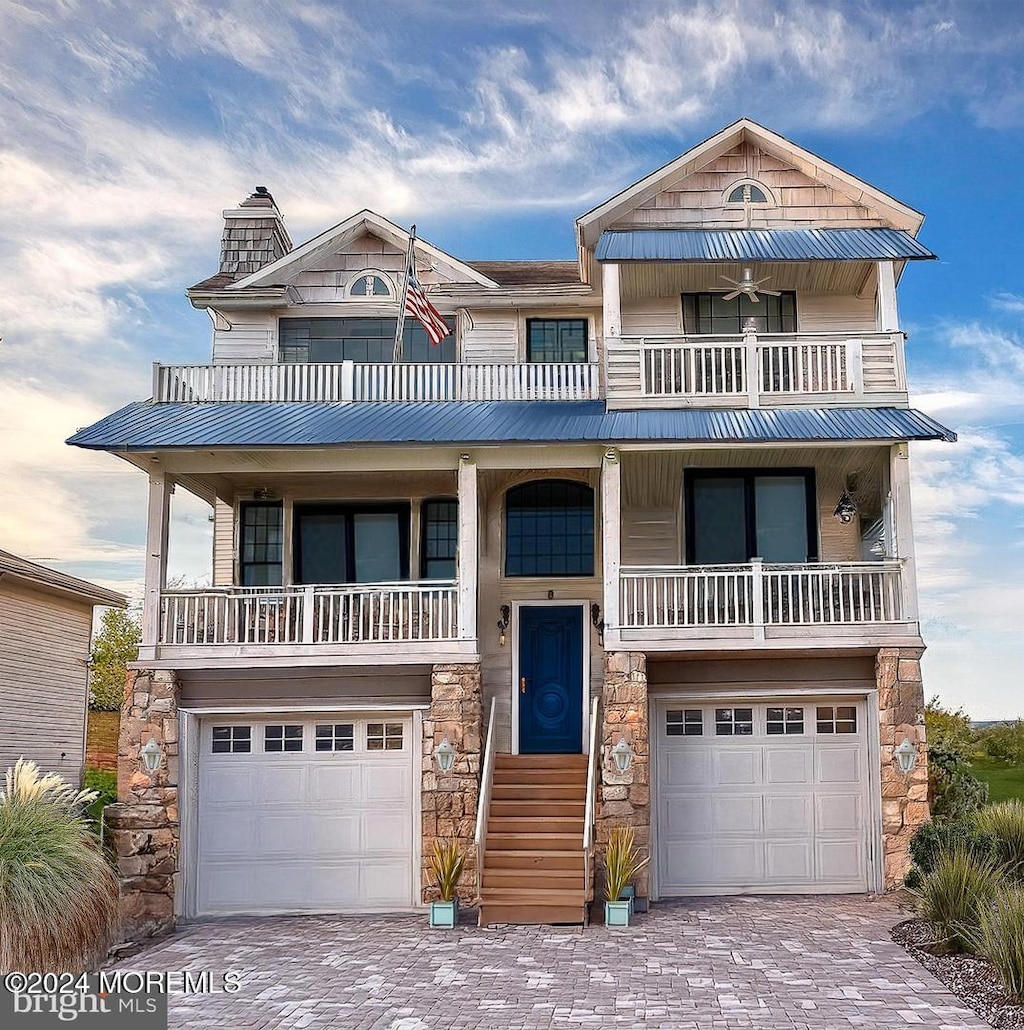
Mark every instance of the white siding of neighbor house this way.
pixel 44 648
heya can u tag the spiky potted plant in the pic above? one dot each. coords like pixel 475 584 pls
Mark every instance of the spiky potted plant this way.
pixel 446 864
pixel 622 862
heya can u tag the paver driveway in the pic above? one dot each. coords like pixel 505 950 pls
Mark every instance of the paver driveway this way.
pixel 767 963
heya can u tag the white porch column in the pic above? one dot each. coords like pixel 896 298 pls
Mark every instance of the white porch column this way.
pixel 888 313
pixel 157 525
pixel 902 524
pixel 612 304
pixel 611 519
pixel 469 534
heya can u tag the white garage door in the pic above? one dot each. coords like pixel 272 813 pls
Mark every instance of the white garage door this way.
pixel 762 797
pixel 305 814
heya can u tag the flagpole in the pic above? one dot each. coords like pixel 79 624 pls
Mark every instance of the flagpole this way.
pixel 400 321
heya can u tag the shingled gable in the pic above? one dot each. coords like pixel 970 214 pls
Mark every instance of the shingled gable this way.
pixel 336 238
pixel 889 211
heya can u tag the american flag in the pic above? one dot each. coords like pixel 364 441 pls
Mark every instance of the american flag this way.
pixel 417 305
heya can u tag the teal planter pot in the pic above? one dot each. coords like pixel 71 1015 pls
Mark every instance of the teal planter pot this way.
pixel 629 894
pixel 617 913
pixel 444 913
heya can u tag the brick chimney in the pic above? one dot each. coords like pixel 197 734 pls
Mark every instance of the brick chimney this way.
pixel 254 235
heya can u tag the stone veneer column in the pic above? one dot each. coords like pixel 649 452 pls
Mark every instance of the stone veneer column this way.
pixel 900 714
pixel 142 829
pixel 449 802
pixel 625 798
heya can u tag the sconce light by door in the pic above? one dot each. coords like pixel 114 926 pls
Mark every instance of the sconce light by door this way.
pixel 622 754
pixel 906 757
pixel 595 618
pixel 506 614
pixel 846 508
pixel 444 755
pixel 151 756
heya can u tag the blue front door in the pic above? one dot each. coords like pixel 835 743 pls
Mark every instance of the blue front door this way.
pixel 550 688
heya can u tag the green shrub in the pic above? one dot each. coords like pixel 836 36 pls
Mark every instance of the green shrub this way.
pixel 953 790
pixel 58 893
pixel 1003 742
pixel 951 896
pixel 934 839
pixel 999 936
pixel 104 784
pixel 948 728
pixel 1005 822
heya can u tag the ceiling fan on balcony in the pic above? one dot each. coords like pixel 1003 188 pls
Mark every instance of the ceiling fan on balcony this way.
pixel 748 285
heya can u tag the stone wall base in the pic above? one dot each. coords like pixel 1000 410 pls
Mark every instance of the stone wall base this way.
pixel 142 829
pixel 449 801
pixel 901 715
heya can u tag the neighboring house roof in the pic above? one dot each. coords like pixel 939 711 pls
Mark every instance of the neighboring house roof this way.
pixel 148 426
pixel 530 273
pixel 11 566
pixel 759 245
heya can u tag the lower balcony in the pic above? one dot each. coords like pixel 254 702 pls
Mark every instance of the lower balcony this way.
pixel 758 604
pixel 407 622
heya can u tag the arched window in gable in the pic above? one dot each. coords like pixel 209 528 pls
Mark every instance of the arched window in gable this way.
pixel 369 284
pixel 749 191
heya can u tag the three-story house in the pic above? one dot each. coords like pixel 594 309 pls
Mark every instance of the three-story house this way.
pixel 631 546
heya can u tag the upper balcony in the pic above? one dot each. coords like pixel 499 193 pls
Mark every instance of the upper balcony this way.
pixel 349 381
pixel 751 370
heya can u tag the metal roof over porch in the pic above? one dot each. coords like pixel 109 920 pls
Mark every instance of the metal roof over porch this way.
pixel 760 245
pixel 147 426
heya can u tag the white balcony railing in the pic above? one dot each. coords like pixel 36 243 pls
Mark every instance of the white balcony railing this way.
pixel 350 382
pixel 768 367
pixel 363 613
pixel 761 595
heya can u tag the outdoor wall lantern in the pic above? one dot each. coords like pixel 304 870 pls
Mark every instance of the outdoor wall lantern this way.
pixel 444 755
pixel 151 756
pixel 846 508
pixel 623 755
pixel 906 756
pixel 598 622
pixel 506 614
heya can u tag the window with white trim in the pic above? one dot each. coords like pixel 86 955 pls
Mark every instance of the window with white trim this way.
pixel 384 736
pixel 282 738
pixel 231 740
pixel 370 283
pixel 684 722
pixel 734 722
pixel 335 736
pixel 837 718
pixel 784 721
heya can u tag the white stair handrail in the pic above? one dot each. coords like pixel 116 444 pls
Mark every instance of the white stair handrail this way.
pixel 591 803
pixel 484 800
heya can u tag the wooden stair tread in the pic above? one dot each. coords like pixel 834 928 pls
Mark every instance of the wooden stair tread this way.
pixel 527 915
pixel 534 895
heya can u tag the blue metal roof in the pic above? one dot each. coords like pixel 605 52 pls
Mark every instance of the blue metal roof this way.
pixel 148 426
pixel 759 245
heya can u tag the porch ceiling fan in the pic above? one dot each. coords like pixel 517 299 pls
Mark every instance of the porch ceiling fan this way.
pixel 748 285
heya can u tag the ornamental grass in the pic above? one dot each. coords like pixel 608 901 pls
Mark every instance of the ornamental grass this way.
pixel 953 896
pixel 999 937
pixel 58 892
pixel 1005 822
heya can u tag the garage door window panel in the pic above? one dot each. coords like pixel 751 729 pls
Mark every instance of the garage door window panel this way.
pixel 384 736
pixel 684 722
pixel 338 736
pixel 280 738
pixel 734 722
pixel 784 721
pixel 837 719
pixel 231 740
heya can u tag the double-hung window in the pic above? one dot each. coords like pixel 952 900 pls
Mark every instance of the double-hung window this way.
pixel 735 515
pixel 557 340
pixel 439 537
pixel 336 543
pixel 261 544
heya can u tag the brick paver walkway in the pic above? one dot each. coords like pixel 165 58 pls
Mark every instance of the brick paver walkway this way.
pixel 714 964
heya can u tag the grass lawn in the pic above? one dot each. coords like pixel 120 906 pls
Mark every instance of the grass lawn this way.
pixel 106 783
pixel 1004 781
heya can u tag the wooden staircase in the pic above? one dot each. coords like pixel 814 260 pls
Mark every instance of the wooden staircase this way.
pixel 534 870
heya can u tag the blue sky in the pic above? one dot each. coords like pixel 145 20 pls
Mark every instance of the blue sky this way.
pixel 125 129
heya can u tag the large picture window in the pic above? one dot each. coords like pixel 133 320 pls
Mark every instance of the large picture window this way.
pixel 549 529
pixel 556 340
pixel 351 544
pixel 261 545
pixel 735 515
pixel 327 340
pixel 712 313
